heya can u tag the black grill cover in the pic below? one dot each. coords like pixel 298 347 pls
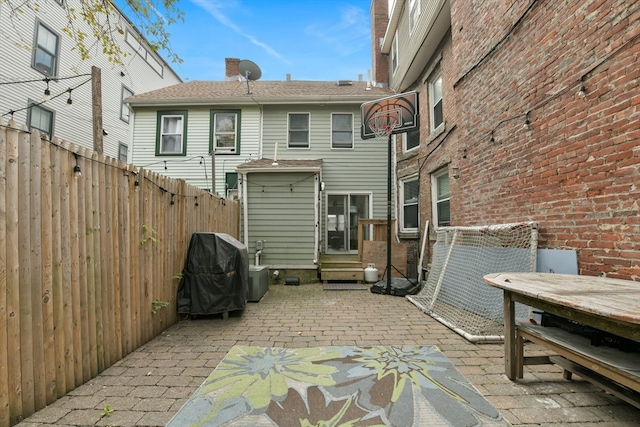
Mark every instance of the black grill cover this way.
pixel 215 278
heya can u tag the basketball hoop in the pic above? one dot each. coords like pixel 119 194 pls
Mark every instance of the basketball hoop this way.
pixel 383 123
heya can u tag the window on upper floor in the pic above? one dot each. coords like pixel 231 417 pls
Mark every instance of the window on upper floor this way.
pixel 409 192
pixel 341 130
pixel 411 140
pixel 124 108
pixel 394 54
pixel 225 131
pixel 435 101
pixel 46 50
pixel 441 198
pixel 171 134
pixel 40 118
pixel 414 13
pixel 123 149
pixel 298 130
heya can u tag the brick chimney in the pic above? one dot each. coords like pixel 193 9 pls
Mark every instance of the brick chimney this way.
pixel 379 23
pixel 231 69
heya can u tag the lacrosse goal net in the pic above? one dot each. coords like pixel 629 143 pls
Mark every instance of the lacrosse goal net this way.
pixel 455 293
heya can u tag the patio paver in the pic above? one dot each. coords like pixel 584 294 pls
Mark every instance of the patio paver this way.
pixel 165 371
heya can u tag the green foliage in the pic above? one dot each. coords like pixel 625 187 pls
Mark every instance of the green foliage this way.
pixel 177 276
pixel 149 233
pixel 157 304
pixel 99 20
pixel 106 411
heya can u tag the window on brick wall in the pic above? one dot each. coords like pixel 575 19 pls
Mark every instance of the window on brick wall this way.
pixel 409 191
pixel 440 197
pixel 435 101
pixel 411 140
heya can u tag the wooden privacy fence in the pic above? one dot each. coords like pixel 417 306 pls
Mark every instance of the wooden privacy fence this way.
pixel 89 253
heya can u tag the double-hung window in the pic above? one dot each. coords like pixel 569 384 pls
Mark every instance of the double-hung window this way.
pixel 171 136
pixel 341 130
pixel 435 102
pixel 124 108
pixel 225 131
pixel 411 140
pixel 122 152
pixel 441 198
pixel 409 192
pixel 40 118
pixel 414 13
pixel 45 52
pixel 298 130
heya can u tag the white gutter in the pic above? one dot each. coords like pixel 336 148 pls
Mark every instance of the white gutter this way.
pixel 282 169
pixel 337 99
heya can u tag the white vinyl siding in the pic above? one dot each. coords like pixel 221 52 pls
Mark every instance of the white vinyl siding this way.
pixel 394 54
pixel 414 14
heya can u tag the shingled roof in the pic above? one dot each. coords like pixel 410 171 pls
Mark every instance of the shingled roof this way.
pixel 262 92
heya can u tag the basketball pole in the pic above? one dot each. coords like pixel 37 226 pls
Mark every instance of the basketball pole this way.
pixel 389 214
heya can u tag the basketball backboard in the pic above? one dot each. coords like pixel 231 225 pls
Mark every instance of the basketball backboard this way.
pixel 398 113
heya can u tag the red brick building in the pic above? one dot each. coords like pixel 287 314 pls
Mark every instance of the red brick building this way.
pixel 530 111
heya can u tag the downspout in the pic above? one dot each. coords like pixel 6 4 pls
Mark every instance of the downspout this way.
pixel 260 134
pixel 316 212
pixel 245 209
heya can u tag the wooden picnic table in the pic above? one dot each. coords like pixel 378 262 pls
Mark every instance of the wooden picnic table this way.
pixel 605 304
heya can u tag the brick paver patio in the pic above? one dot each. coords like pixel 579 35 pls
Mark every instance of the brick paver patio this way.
pixel 150 385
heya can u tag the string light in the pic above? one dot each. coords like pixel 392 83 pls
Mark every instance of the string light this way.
pixel 172 202
pixel 527 123
pixel 197 201
pixel 582 91
pixel 76 169
pixel 492 137
pixel 69 101
pixel 47 92
pixel 165 165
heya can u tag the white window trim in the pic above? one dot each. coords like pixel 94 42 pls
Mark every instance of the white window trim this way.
pixel 299 147
pixel 225 150
pixel 353 145
pixel 405 141
pixel 433 101
pixel 403 181
pixel 123 105
pixel 181 132
pixel 434 194
pixel 122 145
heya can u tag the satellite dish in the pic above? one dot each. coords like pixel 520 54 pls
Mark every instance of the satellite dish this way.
pixel 249 70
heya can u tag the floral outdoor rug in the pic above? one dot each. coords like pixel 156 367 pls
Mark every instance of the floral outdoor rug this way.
pixel 336 386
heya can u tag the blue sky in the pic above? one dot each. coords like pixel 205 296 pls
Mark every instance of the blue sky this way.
pixel 309 39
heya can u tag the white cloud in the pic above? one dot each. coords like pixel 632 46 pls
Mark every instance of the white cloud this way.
pixel 347 35
pixel 216 9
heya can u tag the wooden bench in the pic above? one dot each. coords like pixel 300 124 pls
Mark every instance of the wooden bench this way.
pixel 611 369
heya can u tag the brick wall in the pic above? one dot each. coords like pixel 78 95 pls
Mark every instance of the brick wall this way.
pixel 576 169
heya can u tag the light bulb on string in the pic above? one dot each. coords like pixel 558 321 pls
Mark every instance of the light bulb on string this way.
pixel 527 122
pixel 69 101
pixel 582 92
pixel 77 172
pixel 47 93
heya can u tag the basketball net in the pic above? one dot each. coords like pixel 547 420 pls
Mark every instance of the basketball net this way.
pixel 383 124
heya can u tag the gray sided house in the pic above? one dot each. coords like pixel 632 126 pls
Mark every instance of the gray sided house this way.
pixel 290 151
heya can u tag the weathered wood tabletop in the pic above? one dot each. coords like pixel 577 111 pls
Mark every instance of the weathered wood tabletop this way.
pixel 611 305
